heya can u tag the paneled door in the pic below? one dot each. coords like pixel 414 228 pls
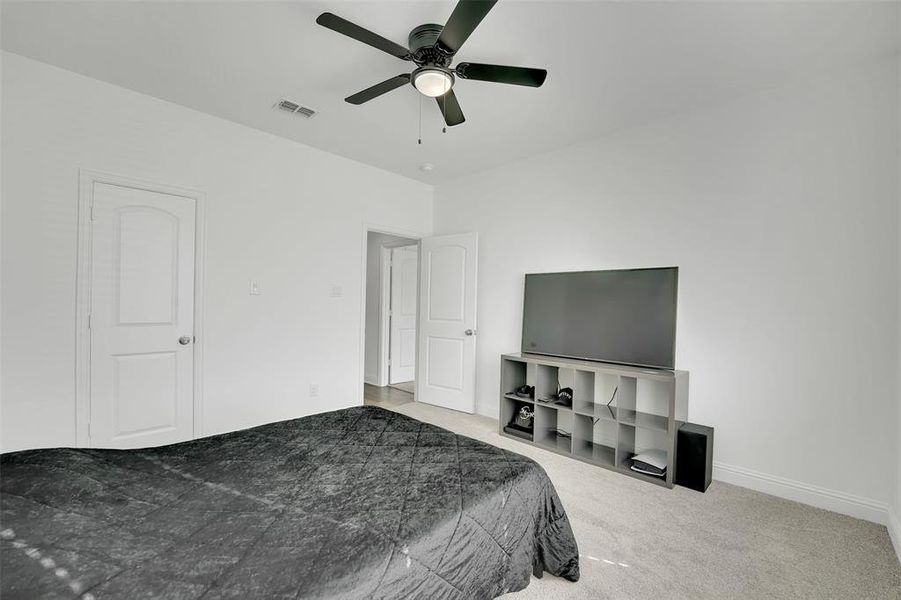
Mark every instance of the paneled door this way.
pixel 404 274
pixel 447 321
pixel 142 317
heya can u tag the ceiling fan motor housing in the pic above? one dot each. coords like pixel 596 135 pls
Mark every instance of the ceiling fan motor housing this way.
pixel 423 48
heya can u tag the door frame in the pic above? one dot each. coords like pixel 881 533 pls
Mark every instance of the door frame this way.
pixel 375 228
pixel 385 307
pixel 84 262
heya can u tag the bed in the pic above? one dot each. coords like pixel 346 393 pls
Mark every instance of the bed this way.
pixel 356 503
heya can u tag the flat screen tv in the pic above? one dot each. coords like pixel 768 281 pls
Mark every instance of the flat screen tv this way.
pixel 624 316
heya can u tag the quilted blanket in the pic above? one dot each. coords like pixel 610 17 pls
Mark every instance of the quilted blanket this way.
pixel 357 503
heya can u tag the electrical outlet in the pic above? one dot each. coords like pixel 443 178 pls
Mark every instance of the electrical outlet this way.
pixel 314 390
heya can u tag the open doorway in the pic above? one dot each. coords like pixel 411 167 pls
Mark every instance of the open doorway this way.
pixel 392 268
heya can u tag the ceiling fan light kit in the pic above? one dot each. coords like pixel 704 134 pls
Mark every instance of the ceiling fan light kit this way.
pixel 432 48
pixel 433 81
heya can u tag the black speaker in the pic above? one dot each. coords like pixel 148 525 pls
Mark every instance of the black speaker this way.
pixel 694 456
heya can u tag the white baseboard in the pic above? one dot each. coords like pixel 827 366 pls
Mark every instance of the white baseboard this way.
pixel 372 381
pixel 840 502
pixel 894 531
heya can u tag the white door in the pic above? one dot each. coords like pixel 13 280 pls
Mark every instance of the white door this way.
pixel 447 321
pixel 404 274
pixel 142 318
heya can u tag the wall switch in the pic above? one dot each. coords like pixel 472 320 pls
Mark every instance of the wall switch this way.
pixel 337 291
pixel 314 390
pixel 254 288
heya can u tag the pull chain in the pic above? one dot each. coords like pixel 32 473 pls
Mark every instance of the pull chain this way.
pixel 420 120
pixel 444 101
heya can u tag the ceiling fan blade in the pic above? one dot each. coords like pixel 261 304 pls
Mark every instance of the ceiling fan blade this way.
pixel 466 17
pixel 379 89
pixel 345 27
pixel 450 108
pixel 501 74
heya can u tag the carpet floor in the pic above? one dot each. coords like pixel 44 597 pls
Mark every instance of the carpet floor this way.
pixel 640 541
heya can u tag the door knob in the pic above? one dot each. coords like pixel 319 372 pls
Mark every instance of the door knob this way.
pixel 184 340
pixel 469 332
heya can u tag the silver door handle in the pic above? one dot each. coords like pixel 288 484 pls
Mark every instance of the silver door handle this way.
pixel 469 332
pixel 184 340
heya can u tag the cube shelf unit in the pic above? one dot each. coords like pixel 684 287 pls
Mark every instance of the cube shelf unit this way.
pixel 618 411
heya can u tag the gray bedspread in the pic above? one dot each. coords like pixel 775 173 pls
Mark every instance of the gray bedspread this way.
pixel 357 503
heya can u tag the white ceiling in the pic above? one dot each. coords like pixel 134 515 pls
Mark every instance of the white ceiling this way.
pixel 610 64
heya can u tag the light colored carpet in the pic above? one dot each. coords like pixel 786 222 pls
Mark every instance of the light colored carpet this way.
pixel 640 541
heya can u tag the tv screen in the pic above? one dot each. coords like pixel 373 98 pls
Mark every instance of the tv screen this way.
pixel 625 316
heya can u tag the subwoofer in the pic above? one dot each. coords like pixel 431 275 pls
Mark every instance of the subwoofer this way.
pixel 694 456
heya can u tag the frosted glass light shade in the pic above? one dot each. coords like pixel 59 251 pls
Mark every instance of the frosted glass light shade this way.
pixel 432 82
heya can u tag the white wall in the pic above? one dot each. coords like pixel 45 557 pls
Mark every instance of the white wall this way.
pixel 375 242
pixel 287 215
pixel 780 211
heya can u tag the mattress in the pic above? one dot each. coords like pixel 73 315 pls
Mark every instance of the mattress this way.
pixel 356 503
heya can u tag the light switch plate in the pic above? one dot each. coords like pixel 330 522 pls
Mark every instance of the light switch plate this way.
pixel 254 288
pixel 337 291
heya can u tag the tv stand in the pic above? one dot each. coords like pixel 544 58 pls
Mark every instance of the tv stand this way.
pixel 647 410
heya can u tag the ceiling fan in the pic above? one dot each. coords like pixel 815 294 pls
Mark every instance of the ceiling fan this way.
pixel 432 48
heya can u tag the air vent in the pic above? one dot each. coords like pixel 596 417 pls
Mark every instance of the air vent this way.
pixel 293 107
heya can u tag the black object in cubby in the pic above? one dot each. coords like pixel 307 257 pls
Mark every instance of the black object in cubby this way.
pixel 694 456
pixel 523 419
pixel 525 391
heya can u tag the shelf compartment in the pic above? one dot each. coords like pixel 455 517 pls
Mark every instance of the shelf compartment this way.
pixel 635 418
pixel 626 389
pixel 593 392
pixel 596 453
pixel 655 397
pixel 513 375
pixel 547 379
pixel 551 383
pixel 632 441
pixel 594 441
pixel 511 406
pixel 626 465
pixel 583 386
pixel 555 441
pixel 548 421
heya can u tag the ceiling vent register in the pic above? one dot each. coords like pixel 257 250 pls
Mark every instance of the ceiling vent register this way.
pixel 295 108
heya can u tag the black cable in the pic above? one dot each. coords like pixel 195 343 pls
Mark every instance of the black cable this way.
pixel 616 389
pixel 613 414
